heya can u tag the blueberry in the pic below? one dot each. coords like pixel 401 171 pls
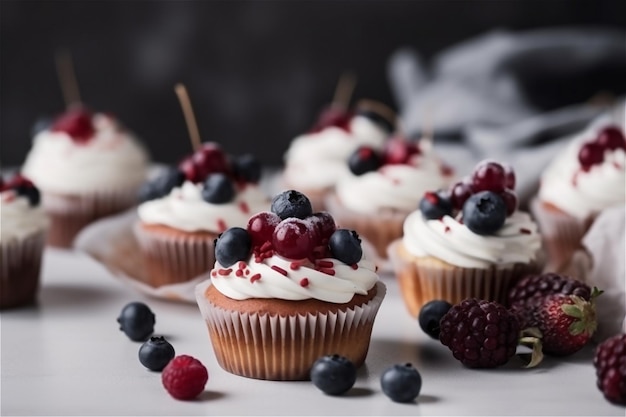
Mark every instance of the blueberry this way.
pixel 247 168
pixel 30 192
pixel 218 189
pixel 232 246
pixel 484 212
pixel 401 383
pixel 161 185
pixel 42 123
pixel 364 159
pixel 333 374
pixel 155 353
pixel 434 206
pixel 291 203
pixel 345 245
pixel 137 321
pixel 430 316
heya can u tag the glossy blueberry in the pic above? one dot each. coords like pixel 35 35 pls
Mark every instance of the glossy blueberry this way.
pixel 430 315
pixel 232 246
pixel 162 184
pixel 345 245
pixel 291 203
pixel 30 192
pixel 333 374
pixel 484 212
pixel 218 189
pixel 137 321
pixel 401 383
pixel 434 206
pixel 364 159
pixel 155 353
pixel 247 168
pixel 42 123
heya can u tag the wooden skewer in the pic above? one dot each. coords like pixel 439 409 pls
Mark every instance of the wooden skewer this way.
pixel 428 129
pixel 344 90
pixel 190 118
pixel 67 77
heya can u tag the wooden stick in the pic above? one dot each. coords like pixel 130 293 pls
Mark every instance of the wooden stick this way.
pixel 190 118
pixel 428 126
pixel 344 90
pixel 67 77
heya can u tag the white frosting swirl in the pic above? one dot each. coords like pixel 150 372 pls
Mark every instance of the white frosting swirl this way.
pixel 453 243
pixel 318 160
pixel 338 288
pixel 184 209
pixel 580 193
pixel 18 219
pixel 110 160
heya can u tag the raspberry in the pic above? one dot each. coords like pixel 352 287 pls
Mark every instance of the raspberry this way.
pixel 184 377
pixel 610 364
pixel 480 334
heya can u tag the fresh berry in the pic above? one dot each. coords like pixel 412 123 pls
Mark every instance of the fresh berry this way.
pixel 610 363
pixel 155 353
pixel 291 203
pixel 377 118
pixel 162 184
pixel 184 377
pixel 77 123
pixel 261 227
pixel 460 192
pixel 333 374
pixel 293 238
pixel 489 176
pixel 611 138
pixel 246 168
pixel 25 188
pixel 218 189
pixel 430 315
pixel 484 212
pixel 210 159
pixel 345 245
pixel 364 159
pixel 401 383
pixel 509 176
pixel 191 170
pixel 232 246
pixel 399 151
pixel 137 321
pixel 480 334
pixel 41 124
pixel 434 206
pixel 590 154
pixel 333 116
pixel 324 226
pixel 510 200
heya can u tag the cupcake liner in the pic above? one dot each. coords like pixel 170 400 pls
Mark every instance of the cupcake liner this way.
pixel 277 347
pixel 20 265
pixel 422 279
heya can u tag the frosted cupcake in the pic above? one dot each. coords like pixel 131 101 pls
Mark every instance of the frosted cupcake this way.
pixel 384 187
pixel 470 241
pixel 186 208
pixel 87 166
pixel 287 290
pixel 22 239
pixel 588 177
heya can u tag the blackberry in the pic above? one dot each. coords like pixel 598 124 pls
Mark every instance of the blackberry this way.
pixel 610 363
pixel 480 334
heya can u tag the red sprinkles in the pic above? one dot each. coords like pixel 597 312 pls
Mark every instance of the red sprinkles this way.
pixel 255 278
pixel 525 231
pixel 243 206
pixel 294 266
pixel 328 271
pixel 239 273
pixel 354 266
pixel 221 225
pixel 325 264
pixel 304 282
pixel 279 270
pixel 224 272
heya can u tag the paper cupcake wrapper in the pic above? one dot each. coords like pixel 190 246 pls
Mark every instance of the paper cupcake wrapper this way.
pixel 20 265
pixel 274 347
pixel 112 242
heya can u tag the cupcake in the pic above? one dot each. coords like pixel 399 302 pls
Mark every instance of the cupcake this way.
pixel 87 166
pixel 316 160
pixel 287 290
pixel 469 241
pixel 385 187
pixel 22 239
pixel 186 208
pixel 587 178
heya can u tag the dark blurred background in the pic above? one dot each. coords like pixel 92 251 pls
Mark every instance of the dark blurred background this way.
pixel 257 72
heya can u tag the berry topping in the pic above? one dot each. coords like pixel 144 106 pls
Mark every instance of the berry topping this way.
pixel 435 205
pixel 232 246
pixel 430 316
pixel 484 212
pixel 364 159
pixel 41 124
pixel 291 203
pixel 333 116
pixel 161 185
pixel 510 200
pixel 611 138
pixel 399 151
pixel 23 187
pixel 460 192
pixel 345 245
pixel 155 353
pixel 184 377
pixel 136 321
pixel 246 168
pixel 210 159
pixel 218 189
pixel 590 154
pixel 294 239
pixel 77 123
pixel 610 363
pixel 333 374
pixel 509 176
pixel 191 170
pixel 489 176
pixel 401 383
pixel 480 334
pixel 324 226
pixel 261 227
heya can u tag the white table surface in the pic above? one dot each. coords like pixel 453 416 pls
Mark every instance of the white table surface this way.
pixel 66 356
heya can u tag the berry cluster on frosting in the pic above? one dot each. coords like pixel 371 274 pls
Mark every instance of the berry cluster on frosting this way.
pixel 481 201
pixel 292 231
pixel 340 117
pixel 221 176
pixel 77 122
pixel 19 185
pixel 594 152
